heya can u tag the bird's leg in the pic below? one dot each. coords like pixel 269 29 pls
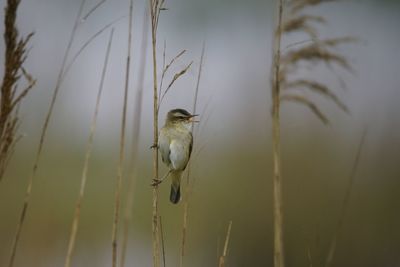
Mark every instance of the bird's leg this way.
pixel 159 181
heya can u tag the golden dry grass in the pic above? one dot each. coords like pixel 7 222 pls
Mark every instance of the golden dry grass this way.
pixel 12 93
pixel 286 88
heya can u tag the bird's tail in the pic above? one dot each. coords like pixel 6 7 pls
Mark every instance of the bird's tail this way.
pixel 175 194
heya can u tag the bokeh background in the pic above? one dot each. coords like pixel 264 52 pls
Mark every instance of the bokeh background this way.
pixel 232 164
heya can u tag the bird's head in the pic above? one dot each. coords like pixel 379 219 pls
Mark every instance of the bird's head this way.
pixel 180 116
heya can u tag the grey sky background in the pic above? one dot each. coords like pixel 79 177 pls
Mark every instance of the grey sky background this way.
pixel 238 56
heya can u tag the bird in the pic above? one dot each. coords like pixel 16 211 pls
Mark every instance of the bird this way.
pixel 175 145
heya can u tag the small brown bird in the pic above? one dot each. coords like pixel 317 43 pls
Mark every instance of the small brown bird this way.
pixel 175 145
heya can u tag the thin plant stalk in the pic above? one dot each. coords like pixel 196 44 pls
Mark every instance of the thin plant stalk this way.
pixel 222 259
pixel 174 79
pixel 93 9
pixel 346 200
pixel 135 138
pixel 309 257
pixel 284 65
pixel 188 189
pixel 277 178
pixel 156 6
pixel 156 242
pixel 218 244
pixel 75 223
pixel 42 138
pixel 162 242
pixel 87 43
pixel 117 201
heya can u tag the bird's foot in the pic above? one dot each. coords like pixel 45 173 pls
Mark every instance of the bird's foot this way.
pixel 156 182
pixel 153 146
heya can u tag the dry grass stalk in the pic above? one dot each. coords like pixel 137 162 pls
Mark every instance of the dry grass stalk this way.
pixel 218 245
pixel 135 138
pixel 87 43
pixel 42 138
pixel 303 100
pixel 301 23
pixel 346 200
pixel 318 88
pixel 333 42
pixel 15 56
pixel 316 52
pixel 188 184
pixel 114 236
pixel 298 5
pixel 222 259
pixel 75 222
pixel 309 257
pixel 277 179
pixel 162 241
pixel 155 7
pixel 174 79
pixel 286 64
pixel 93 9
pixel 164 71
pixel 165 68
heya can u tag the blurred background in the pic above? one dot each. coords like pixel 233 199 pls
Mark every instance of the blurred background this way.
pixel 232 161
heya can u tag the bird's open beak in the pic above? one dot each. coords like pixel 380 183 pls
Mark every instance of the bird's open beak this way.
pixel 193 118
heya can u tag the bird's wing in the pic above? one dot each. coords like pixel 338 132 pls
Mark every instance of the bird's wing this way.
pixel 180 151
pixel 190 144
pixel 164 147
pixel 190 140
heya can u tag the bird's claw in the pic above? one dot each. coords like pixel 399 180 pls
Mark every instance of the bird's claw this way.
pixel 156 182
pixel 153 146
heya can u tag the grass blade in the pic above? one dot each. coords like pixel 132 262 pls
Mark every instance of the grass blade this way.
pixel 313 107
pixel 188 184
pixel 42 138
pixel 75 222
pixel 319 88
pixel 346 200
pixel 222 259
pixel 114 236
pixel 135 138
